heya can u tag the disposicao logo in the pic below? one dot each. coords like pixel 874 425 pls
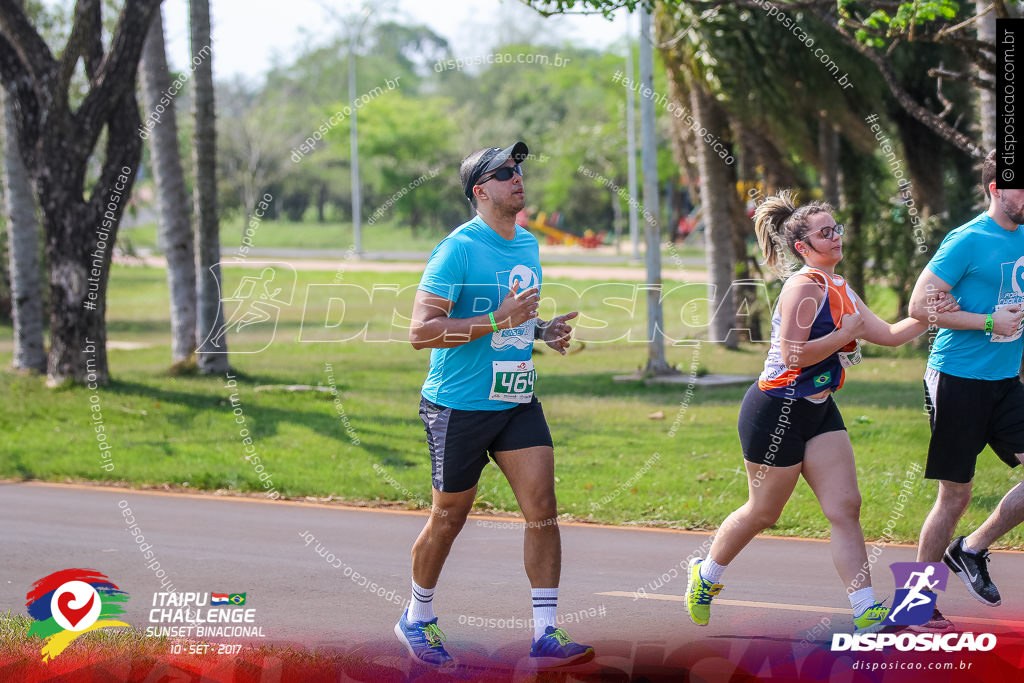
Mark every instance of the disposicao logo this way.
pixel 71 602
pixel 913 604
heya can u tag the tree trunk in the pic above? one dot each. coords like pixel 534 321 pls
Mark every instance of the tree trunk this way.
pixel 744 296
pixel 321 202
pixel 854 196
pixel 759 150
pixel 986 98
pixel 80 238
pixel 828 151
pixel 212 354
pixel 617 219
pixel 175 221
pixel 23 244
pixel 715 191
pixel 57 145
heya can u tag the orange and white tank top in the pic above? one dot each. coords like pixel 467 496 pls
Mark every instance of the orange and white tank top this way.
pixel 778 380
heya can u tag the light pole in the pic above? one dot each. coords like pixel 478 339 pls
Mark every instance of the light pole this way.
pixel 656 363
pixel 357 198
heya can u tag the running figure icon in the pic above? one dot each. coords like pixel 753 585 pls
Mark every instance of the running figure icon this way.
pixel 914 596
pixel 915 600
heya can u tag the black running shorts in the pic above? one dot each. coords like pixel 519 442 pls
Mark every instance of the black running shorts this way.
pixel 460 440
pixel 965 414
pixel 774 431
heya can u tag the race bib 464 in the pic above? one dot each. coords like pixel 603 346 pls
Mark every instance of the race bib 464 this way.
pixel 512 381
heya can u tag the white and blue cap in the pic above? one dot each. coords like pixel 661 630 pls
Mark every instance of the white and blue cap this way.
pixel 483 161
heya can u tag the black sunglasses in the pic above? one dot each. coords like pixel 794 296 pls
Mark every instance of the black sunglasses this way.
pixel 502 174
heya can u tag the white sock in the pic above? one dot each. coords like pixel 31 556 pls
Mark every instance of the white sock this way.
pixel 545 608
pixel 711 570
pixel 861 600
pixel 421 607
pixel 966 548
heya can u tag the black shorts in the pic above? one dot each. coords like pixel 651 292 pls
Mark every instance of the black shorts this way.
pixel 460 440
pixel 965 414
pixel 774 431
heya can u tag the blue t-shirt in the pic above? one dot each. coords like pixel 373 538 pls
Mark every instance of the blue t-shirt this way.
pixel 984 264
pixel 475 267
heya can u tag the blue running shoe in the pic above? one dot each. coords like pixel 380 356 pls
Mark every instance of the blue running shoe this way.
pixel 556 648
pixel 423 641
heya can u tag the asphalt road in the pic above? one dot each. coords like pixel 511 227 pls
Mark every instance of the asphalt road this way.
pixel 782 590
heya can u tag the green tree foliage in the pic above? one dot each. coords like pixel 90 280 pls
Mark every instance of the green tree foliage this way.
pixel 411 143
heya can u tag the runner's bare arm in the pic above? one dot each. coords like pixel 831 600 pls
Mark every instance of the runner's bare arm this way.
pixel 798 305
pixel 433 328
pixel 923 307
pixel 877 331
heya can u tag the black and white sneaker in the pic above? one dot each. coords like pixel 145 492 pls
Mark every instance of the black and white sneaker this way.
pixel 972 568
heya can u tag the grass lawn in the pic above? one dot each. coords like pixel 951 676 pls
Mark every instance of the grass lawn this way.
pixel 307 235
pixel 614 463
pixel 383 236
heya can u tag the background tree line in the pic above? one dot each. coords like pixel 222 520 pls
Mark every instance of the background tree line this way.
pixel 73 82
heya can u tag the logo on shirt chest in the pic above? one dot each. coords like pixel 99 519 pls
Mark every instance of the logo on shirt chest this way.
pixel 525 276
pixel 1017 277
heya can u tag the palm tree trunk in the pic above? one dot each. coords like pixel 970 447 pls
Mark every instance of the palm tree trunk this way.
pixel 175 222
pixel 828 151
pixel 715 191
pixel 856 172
pixel 212 354
pixel 23 244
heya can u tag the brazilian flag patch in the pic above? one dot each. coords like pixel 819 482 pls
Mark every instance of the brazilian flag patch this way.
pixel 823 379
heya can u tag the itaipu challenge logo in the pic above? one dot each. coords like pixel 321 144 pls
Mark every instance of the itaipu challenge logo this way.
pixel 71 602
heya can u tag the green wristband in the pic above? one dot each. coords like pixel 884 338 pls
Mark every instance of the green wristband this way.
pixel 988 324
pixel 494 325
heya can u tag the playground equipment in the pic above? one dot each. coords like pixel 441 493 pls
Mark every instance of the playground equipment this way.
pixel 547 226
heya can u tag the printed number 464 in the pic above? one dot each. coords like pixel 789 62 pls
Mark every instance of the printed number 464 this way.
pixel 516 382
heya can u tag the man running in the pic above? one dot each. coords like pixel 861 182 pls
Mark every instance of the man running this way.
pixel 971 387
pixel 476 309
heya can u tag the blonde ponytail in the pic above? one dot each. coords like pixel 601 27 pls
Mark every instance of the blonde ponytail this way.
pixel 779 225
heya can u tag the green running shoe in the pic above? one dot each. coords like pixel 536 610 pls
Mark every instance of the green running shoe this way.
pixel 872 619
pixel 699 593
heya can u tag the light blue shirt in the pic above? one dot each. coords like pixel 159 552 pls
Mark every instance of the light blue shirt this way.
pixel 984 264
pixel 475 267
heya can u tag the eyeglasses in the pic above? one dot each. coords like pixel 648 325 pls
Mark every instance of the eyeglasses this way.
pixel 827 232
pixel 502 174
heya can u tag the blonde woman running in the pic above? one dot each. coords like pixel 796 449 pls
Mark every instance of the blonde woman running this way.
pixel 789 423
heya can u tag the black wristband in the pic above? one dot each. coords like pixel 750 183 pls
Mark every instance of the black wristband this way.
pixel 539 329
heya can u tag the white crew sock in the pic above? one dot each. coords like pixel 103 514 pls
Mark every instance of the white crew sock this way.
pixel 545 608
pixel 861 600
pixel 421 607
pixel 711 570
pixel 966 548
